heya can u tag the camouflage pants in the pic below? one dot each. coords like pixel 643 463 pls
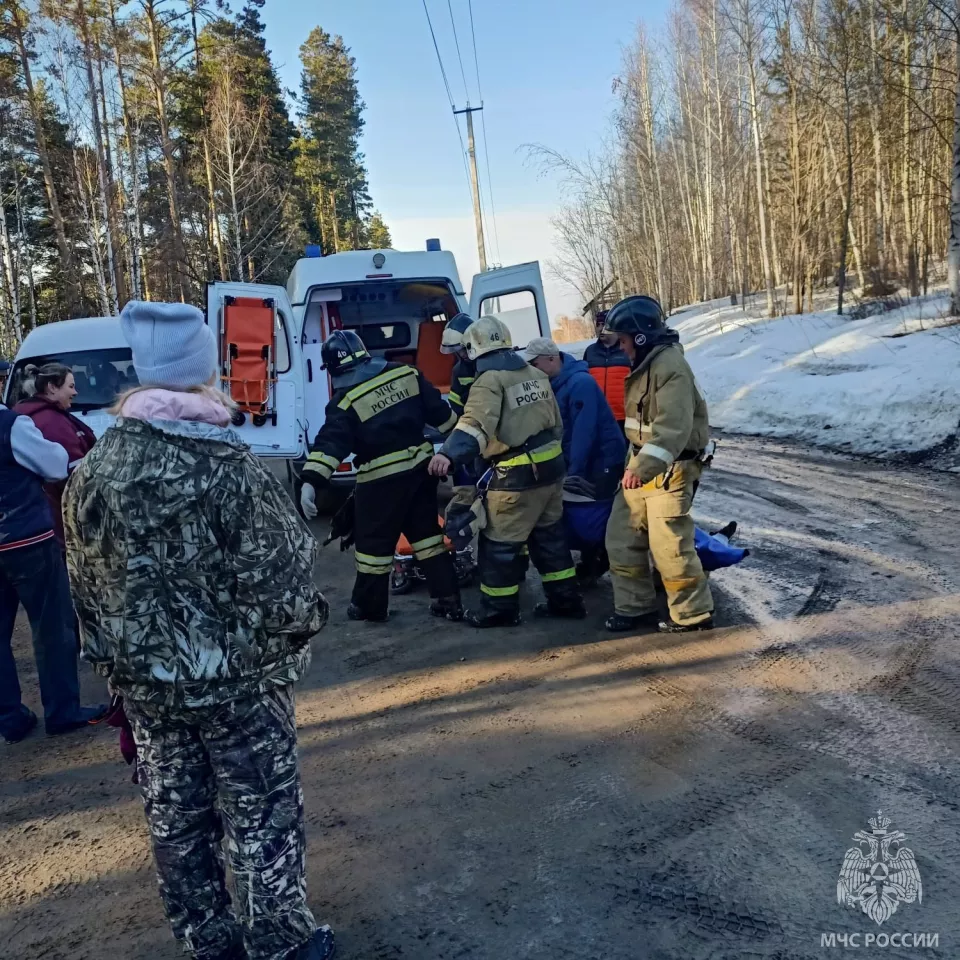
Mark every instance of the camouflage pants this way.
pixel 229 769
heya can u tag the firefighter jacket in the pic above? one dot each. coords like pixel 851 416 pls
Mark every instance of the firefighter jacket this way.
pixel 511 418
pixel 464 373
pixel 666 413
pixel 381 421
pixel 610 367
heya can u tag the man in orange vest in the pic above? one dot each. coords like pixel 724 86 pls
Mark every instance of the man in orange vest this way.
pixel 609 366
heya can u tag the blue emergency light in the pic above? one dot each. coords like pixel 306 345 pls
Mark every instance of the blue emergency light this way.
pixel 433 245
pixel 313 250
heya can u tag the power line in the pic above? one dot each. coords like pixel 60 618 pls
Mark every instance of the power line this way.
pixel 483 128
pixel 446 84
pixel 456 40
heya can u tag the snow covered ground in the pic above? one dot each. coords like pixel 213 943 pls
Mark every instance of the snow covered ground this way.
pixel 884 385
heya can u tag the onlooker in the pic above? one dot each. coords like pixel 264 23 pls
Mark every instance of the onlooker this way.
pixel 594 447
pixel 609 366
pixel 193 581
pixel 32 574
pixel 52 390
pixel 4 373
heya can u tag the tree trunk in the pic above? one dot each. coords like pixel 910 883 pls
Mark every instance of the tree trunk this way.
pixel 158 79
pixel 84 28
pixel 953 248
pixel 761 193
pixel 71 289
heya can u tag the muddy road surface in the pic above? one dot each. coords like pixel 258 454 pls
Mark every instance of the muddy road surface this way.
pixel 553 792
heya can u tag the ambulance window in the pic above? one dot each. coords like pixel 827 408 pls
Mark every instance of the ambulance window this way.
pixel 386 336
pixel 518 311
pixel 283 344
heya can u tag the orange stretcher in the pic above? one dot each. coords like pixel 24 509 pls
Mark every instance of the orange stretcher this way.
pixel 405 550
pixel 249 356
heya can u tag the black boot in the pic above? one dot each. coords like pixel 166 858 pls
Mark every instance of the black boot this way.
pixel 569 609
pixel 670 626
pixel 449 607
pixel 728 531
pixel 623 623
pixel 492 618
pixel 355 612
pixel 321 947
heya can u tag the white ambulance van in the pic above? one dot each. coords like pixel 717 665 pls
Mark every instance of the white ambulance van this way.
pixel 396 301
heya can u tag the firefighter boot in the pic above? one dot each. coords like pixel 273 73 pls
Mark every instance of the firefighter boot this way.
pixel 355 612
pixel 449 607
pixel 624 623
pixel 568 608
pixel 492 618
pixel 671 626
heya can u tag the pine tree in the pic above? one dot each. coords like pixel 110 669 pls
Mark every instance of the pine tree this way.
pixel 330 160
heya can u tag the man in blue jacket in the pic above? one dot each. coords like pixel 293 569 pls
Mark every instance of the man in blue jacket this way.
pixel 594 446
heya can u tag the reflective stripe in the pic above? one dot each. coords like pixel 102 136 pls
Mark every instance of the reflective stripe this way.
pixel 455 397
pixel 499 591
pixel 375 565
pixel 467 379
pixel 472 431
pixel 357 392
pixel 360 356
pixel 549 452
pixel 558 575
pixel 324 469
pixel 427 553
pixel 319 457
pixel 652 450
pixel 449 423
pixel 392 463
pixel 680 583
pixel 631 423
pixel 426 542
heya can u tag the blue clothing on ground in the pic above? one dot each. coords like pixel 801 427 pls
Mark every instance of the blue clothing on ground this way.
pixel 594 446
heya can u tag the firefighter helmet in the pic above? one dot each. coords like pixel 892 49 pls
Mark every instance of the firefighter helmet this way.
pixel 485 336
pixel 453 333
pixel 641 318
pixel 343 353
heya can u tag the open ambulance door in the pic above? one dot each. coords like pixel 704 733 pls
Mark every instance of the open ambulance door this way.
pixel 515 295
pixel 261 365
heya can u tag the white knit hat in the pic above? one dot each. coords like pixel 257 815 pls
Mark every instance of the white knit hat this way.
pixel 171 344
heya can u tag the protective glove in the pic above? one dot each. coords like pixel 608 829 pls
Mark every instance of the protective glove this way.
pixel 578 487
pixel 308 500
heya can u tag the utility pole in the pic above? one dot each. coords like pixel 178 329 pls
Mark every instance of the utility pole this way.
pixel 475 183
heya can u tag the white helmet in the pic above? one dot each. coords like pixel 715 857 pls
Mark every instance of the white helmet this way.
pixel 485 336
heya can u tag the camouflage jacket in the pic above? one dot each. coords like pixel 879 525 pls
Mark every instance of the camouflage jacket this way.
pixel 192 574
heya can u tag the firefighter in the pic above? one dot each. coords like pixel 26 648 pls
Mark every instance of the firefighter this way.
pixel 378 412
pixel 464 370
pixel 666 424
pixel 511 418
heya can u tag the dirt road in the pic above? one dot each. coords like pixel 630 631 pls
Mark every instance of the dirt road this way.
pixel 552 792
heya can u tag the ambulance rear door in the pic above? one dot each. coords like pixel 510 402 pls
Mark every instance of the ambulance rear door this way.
pixel 271 394
pixel 515 295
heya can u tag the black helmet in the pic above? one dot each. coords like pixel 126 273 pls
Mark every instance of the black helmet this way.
pixel 453 333
pixel 642 318
pixel 342 353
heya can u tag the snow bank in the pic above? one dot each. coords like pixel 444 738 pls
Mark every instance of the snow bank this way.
pixel 881 385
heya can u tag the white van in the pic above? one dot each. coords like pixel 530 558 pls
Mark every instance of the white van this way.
pixel 398 303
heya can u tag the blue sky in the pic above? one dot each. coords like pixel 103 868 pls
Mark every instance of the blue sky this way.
pixel 546 70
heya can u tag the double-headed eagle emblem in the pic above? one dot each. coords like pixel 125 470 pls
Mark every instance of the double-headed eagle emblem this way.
pixel 875 877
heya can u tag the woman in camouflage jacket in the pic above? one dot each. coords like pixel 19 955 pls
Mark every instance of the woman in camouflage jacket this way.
pixel 193 581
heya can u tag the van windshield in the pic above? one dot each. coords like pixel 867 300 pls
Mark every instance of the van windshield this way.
pixel 100 375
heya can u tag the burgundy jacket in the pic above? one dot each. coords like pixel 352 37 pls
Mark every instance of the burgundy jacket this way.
pixel 70 432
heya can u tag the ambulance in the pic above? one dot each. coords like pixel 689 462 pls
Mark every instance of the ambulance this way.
pixel 270 336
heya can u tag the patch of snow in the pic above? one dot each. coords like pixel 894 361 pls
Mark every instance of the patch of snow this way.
pixel 882 385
